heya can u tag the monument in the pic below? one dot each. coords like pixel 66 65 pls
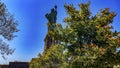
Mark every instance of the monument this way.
pixel 51 17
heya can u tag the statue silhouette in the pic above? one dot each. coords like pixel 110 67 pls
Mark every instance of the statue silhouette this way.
pixel 52 16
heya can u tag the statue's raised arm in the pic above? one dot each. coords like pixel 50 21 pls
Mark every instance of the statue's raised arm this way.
pixel 52 16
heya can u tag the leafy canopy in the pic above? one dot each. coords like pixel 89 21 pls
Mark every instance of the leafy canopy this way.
pixel 8 26
pixel 87 40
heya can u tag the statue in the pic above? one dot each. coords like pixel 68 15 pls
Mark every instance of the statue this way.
pixel 52 16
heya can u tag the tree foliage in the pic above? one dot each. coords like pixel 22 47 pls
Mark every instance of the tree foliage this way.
pixel 87 40
pixel 8 26
pixel 51 58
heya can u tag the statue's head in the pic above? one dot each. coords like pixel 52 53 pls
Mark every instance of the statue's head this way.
pixel 52 10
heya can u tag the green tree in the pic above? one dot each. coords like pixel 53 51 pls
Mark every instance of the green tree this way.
pixel 8 26
pixel 88 39
pixel 52 58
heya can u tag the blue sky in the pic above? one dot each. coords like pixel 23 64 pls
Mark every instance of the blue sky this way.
pixel 33 24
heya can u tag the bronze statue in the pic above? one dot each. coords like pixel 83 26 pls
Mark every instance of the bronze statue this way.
pixel 52 16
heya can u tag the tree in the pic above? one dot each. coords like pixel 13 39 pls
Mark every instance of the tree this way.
pixel 88 38
pixel 86 41
pixel 8 26
pixel 54 57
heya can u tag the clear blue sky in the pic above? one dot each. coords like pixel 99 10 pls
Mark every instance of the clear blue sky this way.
pixel 32 23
